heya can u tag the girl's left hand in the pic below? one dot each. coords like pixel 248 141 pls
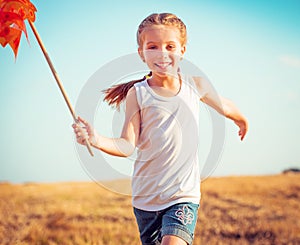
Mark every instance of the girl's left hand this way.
pixel 243 125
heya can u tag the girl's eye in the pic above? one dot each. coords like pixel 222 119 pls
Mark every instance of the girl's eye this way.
pixel 171 46
pixel 152 47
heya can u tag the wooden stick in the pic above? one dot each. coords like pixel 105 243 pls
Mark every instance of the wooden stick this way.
pixel 36 34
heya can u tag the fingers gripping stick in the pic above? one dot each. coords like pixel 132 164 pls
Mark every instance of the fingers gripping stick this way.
pixel 86 140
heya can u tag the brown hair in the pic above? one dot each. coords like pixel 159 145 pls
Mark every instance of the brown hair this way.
pixel 116 94
pixel 162 19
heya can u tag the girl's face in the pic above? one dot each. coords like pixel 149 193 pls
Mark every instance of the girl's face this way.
pixel 161 49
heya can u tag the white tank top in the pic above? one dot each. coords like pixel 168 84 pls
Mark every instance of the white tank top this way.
pixel 166 170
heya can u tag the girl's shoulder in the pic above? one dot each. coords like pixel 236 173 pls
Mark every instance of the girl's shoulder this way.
pixel 131 99
pixel 198 83
pixel 140 84
pixel 193 80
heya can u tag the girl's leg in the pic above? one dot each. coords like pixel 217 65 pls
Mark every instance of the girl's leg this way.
pixel 172 240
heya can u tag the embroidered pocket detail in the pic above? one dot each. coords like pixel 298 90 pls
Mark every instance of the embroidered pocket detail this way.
pixel 185 215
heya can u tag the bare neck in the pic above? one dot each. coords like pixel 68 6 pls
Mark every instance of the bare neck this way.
pixel 169 84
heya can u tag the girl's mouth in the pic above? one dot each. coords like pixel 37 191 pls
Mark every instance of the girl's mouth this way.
pixel 163 65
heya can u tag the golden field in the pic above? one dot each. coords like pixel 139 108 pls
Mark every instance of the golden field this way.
pixel 234 210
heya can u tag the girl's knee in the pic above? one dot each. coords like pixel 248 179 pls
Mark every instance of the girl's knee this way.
pixel 172 240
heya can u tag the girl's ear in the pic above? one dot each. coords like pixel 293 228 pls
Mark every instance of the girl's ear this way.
pixel 183 49
pixel 141 53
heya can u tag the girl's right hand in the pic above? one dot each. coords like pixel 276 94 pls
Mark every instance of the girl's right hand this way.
pixel 84 132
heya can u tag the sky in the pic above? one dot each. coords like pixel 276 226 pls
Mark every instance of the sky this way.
pixel 249 50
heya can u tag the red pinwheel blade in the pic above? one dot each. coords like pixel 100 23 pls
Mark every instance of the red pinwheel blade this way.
pixel 13 13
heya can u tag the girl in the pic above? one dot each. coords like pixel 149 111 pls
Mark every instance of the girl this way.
pixel 161 120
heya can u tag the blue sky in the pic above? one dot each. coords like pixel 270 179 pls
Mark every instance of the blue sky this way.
pixel 250 50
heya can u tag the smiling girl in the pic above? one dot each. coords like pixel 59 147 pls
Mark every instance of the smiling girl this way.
pixel 161 121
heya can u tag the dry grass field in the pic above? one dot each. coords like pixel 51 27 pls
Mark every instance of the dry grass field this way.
pixel 234 210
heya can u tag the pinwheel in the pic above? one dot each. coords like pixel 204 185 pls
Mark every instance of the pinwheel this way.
pixel 13 14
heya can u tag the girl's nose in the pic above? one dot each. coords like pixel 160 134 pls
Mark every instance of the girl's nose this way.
pixel 163 53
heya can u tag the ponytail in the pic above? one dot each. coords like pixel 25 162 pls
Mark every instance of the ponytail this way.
pixel 117 93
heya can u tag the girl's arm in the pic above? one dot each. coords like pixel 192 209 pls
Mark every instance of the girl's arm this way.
pixel 123 146
pixel 222 105
pixel 232 112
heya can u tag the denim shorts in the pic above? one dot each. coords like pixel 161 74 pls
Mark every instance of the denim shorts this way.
pixel 178 220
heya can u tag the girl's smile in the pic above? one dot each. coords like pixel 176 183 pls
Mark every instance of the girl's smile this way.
pixel 163 66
